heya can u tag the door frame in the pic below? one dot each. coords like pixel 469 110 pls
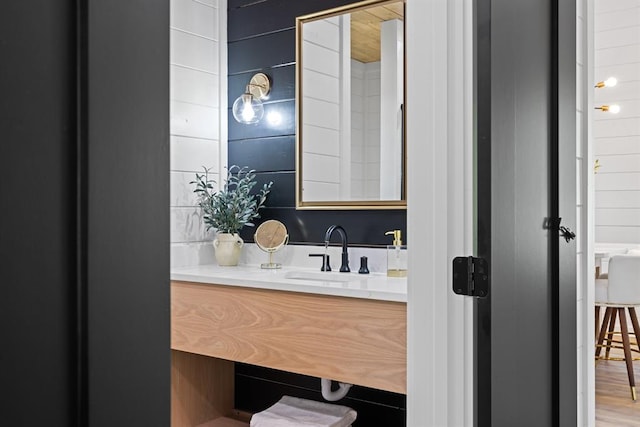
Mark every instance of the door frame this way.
pixel 439 223
pixel 585 186
pixel 439 216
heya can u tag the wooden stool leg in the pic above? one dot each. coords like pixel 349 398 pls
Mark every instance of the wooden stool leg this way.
pixel 597 319
pixel 603 330
pixel 636 325
pixel 627 351
pixel 612 325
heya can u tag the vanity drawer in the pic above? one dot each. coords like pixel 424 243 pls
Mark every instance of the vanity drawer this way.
pixel 357 341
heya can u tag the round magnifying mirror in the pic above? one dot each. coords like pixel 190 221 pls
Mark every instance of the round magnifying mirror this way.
pixel 271 236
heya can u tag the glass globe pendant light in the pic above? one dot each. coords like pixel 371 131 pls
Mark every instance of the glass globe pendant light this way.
pixel 248 107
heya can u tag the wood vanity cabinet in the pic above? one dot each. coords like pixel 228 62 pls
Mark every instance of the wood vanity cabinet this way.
pixel 353 340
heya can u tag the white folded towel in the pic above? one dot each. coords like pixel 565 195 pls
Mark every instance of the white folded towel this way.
pixel 295 412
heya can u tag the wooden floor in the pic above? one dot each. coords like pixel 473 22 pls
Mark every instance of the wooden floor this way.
pixel 614 407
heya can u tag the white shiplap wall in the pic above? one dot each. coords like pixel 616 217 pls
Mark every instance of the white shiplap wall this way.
pixel 372 120
pixel 365 130
pixel 617 136
pixel 321 98
pixel 198 118
pixel 357 128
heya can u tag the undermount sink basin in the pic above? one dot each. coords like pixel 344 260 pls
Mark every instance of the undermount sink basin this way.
pixel 319 276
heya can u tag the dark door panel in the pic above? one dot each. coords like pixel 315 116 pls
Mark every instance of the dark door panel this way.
pixel 37 216
pixel 84 219
pixel 521 174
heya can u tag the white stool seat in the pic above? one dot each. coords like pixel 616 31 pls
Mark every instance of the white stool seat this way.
pixel 601 291
pixel 295 412
pixel 619 292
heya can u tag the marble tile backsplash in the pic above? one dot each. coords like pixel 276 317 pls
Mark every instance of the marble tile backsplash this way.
pixel 297 256
pixel 192 253
pixel 187 225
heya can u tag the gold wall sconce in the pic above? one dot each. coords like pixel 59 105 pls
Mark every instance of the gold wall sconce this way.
pixel 610 82
pixel 248 107
pixel 596 166
pixel 613 108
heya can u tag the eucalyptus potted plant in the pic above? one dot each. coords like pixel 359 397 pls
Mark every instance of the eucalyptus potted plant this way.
pixel 230 209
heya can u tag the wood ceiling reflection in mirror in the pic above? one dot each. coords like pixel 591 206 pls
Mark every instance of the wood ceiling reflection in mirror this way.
pixel 365 30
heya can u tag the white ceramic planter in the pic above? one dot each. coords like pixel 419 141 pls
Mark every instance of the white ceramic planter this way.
pixel 227 248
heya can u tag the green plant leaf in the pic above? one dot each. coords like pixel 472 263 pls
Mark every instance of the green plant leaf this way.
pixel 233 207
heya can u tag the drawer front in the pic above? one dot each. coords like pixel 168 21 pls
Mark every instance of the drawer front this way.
pixel 352 340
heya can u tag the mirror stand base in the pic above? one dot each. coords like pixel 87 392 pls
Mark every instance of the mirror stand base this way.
pixel 270 265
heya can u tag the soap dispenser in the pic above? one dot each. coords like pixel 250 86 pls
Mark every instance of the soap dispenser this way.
pixel 396 256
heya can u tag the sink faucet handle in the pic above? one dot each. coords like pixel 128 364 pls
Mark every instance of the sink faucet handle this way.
pixel 325 261
pixel 364 268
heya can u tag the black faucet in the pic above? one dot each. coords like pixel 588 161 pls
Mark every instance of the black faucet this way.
pixel 344 268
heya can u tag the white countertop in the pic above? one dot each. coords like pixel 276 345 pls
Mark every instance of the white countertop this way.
pixel 370 286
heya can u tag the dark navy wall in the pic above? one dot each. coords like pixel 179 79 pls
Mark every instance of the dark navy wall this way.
pixel 258 388
pixel 261 38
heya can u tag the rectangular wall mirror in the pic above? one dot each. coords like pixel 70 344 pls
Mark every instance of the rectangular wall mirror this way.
pixel 350 91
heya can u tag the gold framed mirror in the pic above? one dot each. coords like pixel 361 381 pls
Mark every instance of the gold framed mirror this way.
pixel 271 236
pixel 350 118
